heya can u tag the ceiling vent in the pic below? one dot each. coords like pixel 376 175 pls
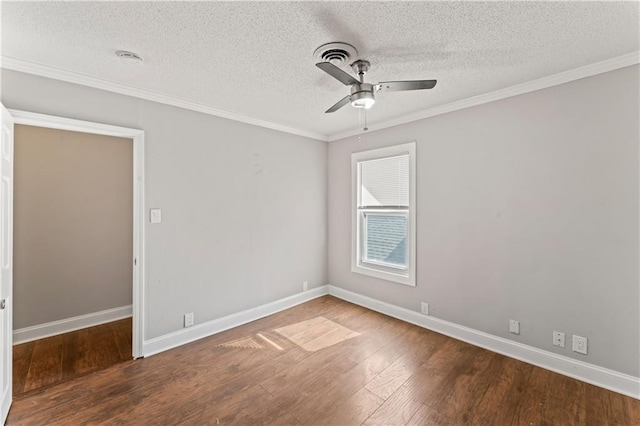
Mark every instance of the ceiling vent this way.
pixel 337 53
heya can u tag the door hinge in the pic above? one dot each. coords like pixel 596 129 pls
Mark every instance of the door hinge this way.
pixel 135 262
pixel 3 303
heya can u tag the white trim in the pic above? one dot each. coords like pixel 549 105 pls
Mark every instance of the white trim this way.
pixel 408 276
pixel 612 64
pixel 593 374
pixel 6 265
pixel 206 329
pixel 28 67
pixel 28 334
pixel 61 123
pixel 518 89
pixel 139 265
pixel 6 405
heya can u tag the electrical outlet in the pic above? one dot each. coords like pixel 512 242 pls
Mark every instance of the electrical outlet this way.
pixel 580 344
pixel 514 326
pixel 188 319
pixel 558 339
pixel 305 285
pixel 424 308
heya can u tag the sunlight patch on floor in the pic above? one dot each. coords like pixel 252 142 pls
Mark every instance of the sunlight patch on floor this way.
pixel 316 333
pixel 245 342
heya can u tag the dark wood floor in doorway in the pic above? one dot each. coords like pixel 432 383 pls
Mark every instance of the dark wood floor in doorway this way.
pixel 46 362
pixel 325 362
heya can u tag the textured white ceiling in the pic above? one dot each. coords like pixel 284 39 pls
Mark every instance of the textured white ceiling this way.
pixel 256 58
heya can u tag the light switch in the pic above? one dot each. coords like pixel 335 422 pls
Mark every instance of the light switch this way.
pixel 155 215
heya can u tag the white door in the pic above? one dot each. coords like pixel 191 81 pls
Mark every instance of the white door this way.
pixel 6 262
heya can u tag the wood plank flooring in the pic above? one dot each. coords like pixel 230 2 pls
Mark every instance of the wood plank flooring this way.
pixel 57 359
pixel 392 373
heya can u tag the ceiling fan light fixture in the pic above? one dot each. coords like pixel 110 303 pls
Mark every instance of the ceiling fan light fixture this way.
pixel 362 96
pixel 363 102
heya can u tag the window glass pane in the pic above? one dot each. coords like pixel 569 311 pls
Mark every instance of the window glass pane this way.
pixel 384 182
pixel 386 239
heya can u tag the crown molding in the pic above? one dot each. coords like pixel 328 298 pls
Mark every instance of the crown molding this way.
pixel 518 89
pixel 15 64
pixel 612 64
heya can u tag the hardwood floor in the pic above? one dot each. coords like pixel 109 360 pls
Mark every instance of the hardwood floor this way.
pixel 377 371
pixel 57 359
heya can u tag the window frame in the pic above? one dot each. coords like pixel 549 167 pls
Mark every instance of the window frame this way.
pixel 406 276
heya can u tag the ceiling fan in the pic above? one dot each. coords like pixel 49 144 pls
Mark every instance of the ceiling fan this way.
pixel 362 94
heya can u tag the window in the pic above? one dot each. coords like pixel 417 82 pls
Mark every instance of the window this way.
pixel 383 222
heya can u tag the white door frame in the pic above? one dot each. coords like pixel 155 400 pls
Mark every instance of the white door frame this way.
pixel 60 123
pixel 6 264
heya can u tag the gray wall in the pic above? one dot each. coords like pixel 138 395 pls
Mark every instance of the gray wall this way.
pixel 72 224
pixel 243 207
pixel 527 209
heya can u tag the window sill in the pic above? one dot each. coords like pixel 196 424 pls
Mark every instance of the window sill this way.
pixel 408 280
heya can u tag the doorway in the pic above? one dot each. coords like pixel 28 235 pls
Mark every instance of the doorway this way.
pixel 73 203
pixel 135 321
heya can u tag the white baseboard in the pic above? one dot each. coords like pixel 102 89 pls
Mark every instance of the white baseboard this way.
pixel 27 334
pixel 206 329
pixel 598 376
pixel 589 373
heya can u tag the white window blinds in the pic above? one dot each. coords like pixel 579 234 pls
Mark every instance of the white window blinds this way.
pixel 384 182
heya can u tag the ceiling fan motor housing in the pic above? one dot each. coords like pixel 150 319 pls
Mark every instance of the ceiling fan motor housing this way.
pixel 360 67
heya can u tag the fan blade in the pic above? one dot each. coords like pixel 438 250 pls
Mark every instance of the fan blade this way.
pixel 342 102
pixel 397 86
pixel 337 73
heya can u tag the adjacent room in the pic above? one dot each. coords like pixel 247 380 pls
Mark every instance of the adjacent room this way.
pixel 320 213
pixel 72 239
